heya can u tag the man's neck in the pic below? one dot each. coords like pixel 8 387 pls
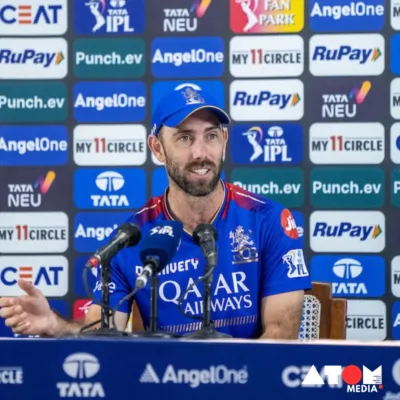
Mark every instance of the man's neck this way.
pixel 192 211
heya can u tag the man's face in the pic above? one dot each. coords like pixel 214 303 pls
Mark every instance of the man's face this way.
pixel 194 153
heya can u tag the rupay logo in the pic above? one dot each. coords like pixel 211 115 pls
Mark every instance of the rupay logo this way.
pixel 47 273
pixel 33 58
pixel 267 144
pixel 92 230
pixel 187 57
pixel 350 231
pixel 109 189
pixel 347 55
pixel 47 145
pixel 347 15
pixel 109 101
pixel 110 17
pixel 32 18
pixel 350 275
pixel 262 100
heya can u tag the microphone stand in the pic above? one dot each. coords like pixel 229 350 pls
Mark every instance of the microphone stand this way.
pixel 105 329
pixel 207 331
pixel 153 332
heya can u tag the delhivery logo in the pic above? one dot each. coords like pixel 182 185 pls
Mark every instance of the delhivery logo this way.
pixel 213 375
pixel 351 276
pixel 347 55
pixel 33 58
pixel 109 189
pixel 179 20
pixel 110 145
pixel 395 98
pixel 187 57
pixel 44 232
pixel 347 15
pixel 33 145
pixel 109 101
pixel 267 57
pixel 80 368
pixel 351 375
pixel 366 320
pixel 345 105
pixel 11 376
pixel 161 88
pixel 33 18
pixel 33 102
pixel 109 17
pixel 344 231
pixel 92 230
pixel 267 144
pixel 347 143
pixel 30 195
pixel 253 16
pixel 267 100
pixel 49 274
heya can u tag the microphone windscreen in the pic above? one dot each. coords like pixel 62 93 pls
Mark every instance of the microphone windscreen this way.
pixel 162 241
pixel 132 231
pixel 201 229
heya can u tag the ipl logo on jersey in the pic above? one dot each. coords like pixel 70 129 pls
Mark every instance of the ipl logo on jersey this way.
pixel 243 247
pixel 294 260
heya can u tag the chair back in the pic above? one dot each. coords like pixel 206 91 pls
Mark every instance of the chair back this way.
pixel 324 317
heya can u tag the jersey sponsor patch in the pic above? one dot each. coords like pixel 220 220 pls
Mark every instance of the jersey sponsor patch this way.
pixel 288 224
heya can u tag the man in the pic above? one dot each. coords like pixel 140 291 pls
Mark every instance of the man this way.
pixel 259 282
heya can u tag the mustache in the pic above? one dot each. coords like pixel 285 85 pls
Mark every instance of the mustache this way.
pixel 203 164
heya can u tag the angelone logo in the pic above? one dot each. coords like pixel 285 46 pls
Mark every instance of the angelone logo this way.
pixel 289 224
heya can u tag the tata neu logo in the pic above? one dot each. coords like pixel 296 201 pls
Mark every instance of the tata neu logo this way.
pixel 80 367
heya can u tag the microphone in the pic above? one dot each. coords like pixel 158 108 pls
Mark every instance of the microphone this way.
pixel 128 235
pixel 158 249
pixel 205 236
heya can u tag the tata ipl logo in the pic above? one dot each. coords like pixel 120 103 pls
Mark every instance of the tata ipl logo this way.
pixel 44 183
pixel 200 6
pixel 359 94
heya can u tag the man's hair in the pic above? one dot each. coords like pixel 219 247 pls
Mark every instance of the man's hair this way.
pixel 160 135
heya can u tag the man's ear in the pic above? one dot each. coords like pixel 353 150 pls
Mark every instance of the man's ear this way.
pixel 156 148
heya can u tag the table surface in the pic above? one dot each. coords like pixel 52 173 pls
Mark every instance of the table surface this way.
pixel 119 368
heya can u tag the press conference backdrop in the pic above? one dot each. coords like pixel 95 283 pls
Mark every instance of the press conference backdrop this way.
pixel 314 93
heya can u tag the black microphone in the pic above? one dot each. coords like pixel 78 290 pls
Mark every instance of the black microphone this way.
pixel 158 249
pixel 206 236
pixel 128 235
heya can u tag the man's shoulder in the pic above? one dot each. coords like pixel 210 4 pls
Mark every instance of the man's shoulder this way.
pixel 253 202
pixel 150 212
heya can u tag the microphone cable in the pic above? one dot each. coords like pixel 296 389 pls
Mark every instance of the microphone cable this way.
pixel 119 304
pixel 190 287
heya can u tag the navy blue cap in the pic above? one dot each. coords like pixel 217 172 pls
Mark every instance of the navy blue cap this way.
pixel 180 104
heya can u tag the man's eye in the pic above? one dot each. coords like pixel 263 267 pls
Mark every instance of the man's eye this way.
pixel 184 138
pixel 212 136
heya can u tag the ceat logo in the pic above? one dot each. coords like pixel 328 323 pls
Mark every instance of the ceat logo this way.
pixel 288 224
pixel 351 375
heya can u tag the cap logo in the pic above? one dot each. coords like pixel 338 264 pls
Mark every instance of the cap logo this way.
pixel 153 129
pixel 191 96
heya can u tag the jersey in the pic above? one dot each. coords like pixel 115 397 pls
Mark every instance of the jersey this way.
pixel 258 255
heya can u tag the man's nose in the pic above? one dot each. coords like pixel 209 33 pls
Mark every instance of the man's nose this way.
pixel 199 150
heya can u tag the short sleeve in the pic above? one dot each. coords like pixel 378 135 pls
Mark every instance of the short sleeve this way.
pixel 283 267
pixel 119 286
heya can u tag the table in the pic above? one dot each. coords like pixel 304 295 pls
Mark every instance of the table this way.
pixel 50 369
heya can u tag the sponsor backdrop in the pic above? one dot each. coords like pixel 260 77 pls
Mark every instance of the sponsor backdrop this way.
pixel 313 88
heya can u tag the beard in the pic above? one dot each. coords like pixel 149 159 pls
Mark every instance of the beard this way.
pixel 181 177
